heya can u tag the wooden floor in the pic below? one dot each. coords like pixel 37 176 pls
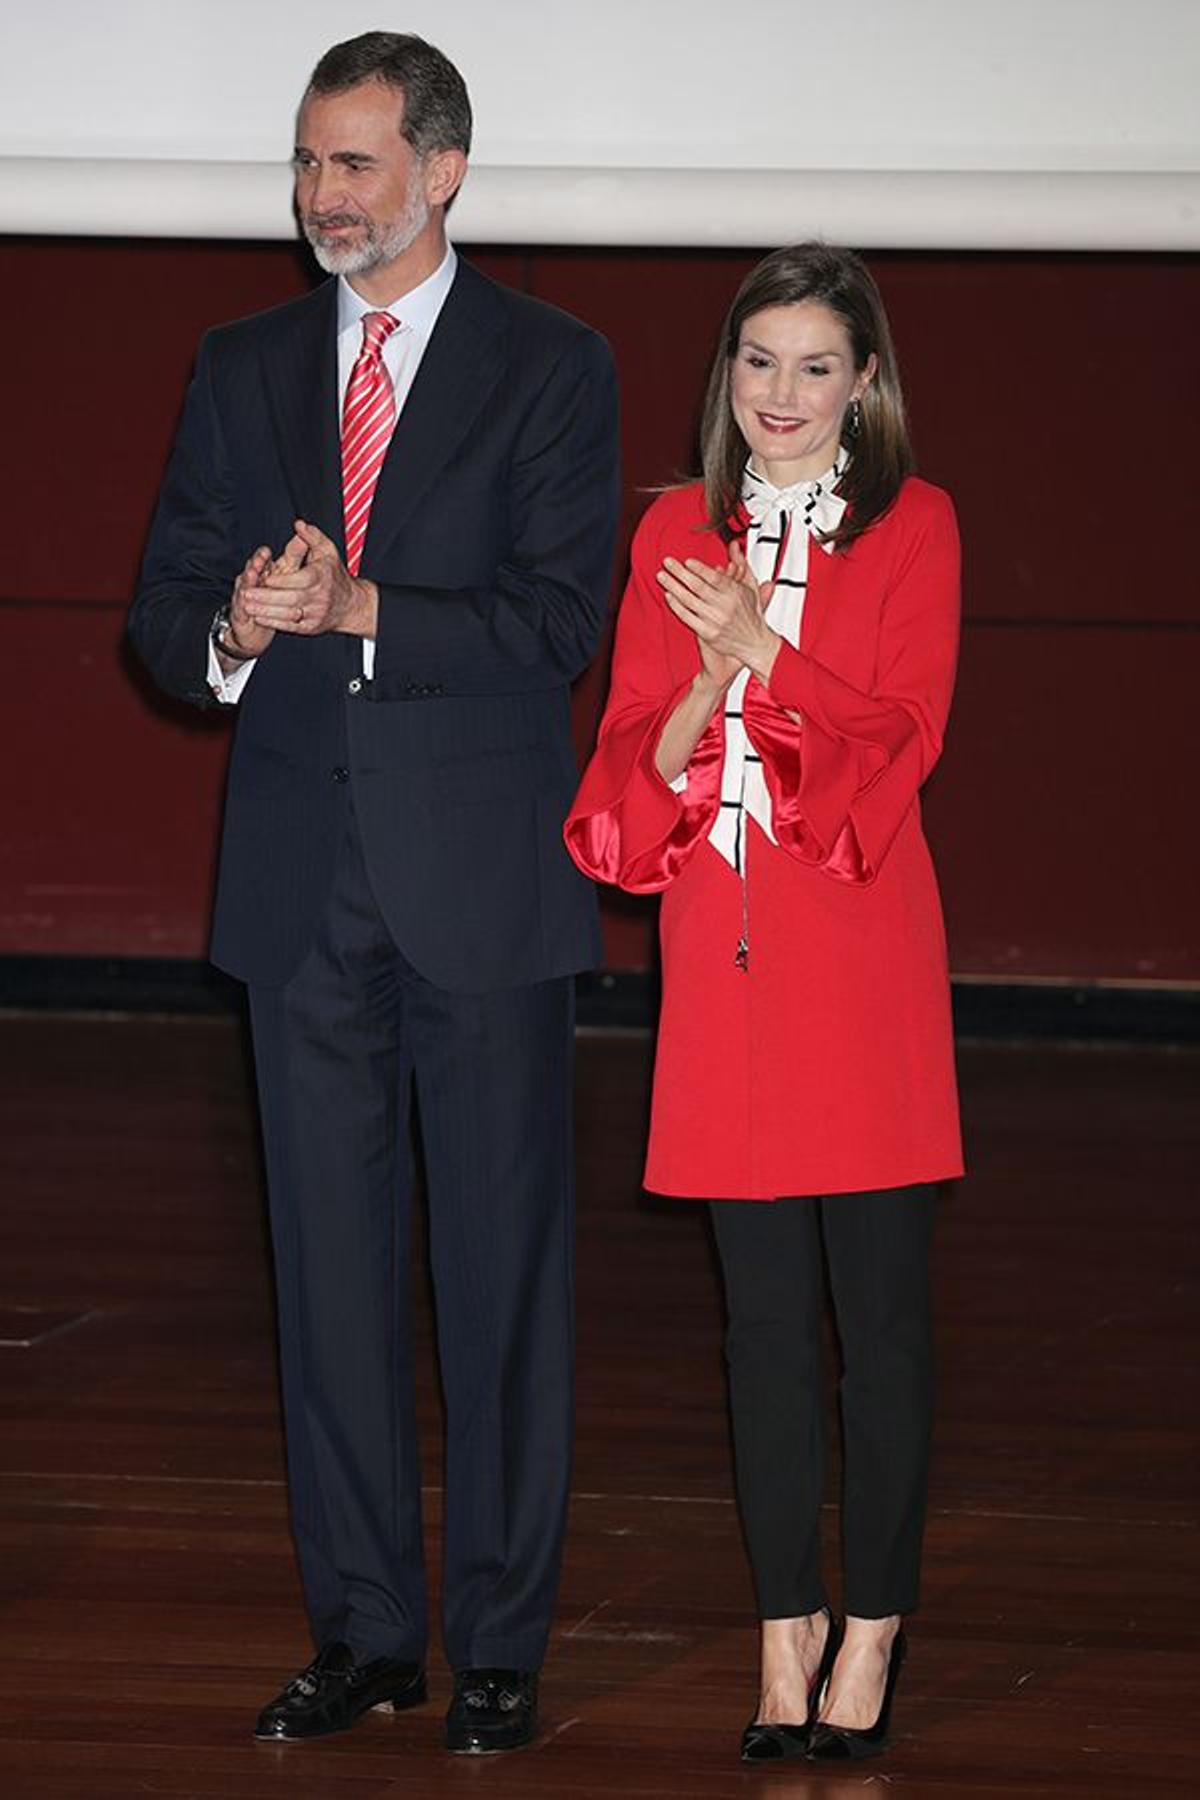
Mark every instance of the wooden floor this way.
pixel 147 1593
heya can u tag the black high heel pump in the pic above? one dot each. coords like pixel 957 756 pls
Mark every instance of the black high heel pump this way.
pixel 834 1743
pixel 770 1743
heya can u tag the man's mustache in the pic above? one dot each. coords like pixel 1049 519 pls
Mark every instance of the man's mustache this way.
pixel 327 221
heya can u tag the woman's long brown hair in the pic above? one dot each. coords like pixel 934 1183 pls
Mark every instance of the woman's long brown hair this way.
pixel 881 455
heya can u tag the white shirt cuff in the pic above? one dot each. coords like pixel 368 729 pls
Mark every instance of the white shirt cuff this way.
pixel 227 688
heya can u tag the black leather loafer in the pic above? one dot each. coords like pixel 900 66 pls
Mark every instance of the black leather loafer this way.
pixel 334 1692
pixel 492 1709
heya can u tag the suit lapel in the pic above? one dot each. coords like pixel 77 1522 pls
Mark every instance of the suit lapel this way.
pixel 463 361
pixel 300 372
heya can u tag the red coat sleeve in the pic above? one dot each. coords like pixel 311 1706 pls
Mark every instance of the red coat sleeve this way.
pixel 627 826
pixel 843 781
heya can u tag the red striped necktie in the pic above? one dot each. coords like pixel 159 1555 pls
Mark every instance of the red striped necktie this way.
pixel 368 415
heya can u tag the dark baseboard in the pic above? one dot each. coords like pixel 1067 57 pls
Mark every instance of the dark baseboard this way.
pixel 1045 1011
pixel 1075 1012
pixel 616 1000
pixel 123 984
pixel 996 1011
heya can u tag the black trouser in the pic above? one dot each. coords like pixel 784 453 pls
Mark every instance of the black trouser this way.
pixel 339 1051
pixel 877 1247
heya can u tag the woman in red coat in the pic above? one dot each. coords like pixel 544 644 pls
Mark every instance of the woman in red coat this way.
pixel 784 662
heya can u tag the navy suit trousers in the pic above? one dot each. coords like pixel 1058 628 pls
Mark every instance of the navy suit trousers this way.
pixel 342 1050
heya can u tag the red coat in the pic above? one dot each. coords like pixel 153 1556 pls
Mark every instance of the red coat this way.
pixel 826 1067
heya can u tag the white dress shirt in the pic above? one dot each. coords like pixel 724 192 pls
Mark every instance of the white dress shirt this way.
pixel 418 313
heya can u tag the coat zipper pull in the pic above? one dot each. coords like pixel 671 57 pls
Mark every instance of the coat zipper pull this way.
pixel 741 956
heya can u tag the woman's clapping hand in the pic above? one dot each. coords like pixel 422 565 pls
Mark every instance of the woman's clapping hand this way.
pixel 725 608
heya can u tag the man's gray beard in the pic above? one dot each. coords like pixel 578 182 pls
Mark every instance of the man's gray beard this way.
pixel 356 259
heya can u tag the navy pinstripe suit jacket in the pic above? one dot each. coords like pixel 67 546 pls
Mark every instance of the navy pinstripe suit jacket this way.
pixel 491 539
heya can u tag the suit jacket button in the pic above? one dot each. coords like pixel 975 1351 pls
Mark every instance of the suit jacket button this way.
pixel 340 774
pixel 355 686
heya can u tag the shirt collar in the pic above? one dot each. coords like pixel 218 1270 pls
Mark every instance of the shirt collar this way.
pixel 417 310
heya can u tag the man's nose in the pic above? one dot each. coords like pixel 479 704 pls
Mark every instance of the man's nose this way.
pixel 326 188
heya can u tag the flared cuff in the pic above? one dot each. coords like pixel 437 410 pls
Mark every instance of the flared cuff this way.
pixel 842 781
pixel 627 826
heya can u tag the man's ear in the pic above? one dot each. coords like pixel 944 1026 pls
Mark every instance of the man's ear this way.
pixel 444 174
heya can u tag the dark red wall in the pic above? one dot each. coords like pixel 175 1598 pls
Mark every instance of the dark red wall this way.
pixel 1054 396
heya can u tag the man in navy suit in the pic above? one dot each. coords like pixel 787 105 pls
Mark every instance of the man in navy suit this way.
pixel 393 886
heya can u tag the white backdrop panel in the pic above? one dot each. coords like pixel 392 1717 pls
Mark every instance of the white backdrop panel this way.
pixel 186 98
